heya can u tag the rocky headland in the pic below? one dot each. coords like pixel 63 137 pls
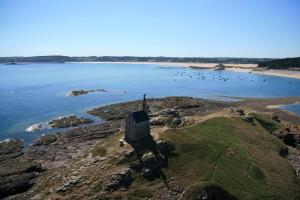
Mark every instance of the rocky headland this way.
pixel 190 133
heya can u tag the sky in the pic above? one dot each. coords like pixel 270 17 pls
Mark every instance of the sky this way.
pixel 184 28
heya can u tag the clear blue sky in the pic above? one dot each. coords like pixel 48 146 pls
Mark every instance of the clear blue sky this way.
pixel 224 28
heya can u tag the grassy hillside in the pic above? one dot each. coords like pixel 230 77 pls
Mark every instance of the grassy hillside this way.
pixel 237 156
pixel 227 156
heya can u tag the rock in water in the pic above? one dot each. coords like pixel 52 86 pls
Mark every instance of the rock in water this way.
pixel 219 67
pixel 82 92
pixel 37 127
pixel 69 121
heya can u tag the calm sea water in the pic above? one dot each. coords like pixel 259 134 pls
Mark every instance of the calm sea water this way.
pixel 35 93
pixel 295 108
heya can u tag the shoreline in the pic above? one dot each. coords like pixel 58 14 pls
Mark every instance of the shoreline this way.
pixel 92 153
pixel 271 103
pixel 231 67
pixel 179 64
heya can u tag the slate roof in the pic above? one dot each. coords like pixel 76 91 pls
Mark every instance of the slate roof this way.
pixel 140 116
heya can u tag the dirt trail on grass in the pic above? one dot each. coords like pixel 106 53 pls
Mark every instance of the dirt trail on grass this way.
pixel 155 132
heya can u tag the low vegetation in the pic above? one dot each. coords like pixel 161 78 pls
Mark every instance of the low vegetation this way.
pixel 235 156
pixel 99 150
pixel 287 63
pixel 266 122
pixel 224 158
pixel 61 59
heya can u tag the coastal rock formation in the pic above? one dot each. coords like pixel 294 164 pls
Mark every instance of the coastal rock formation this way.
pixel 290 136
pixel 177 107
pixel 59 122
pixel 120 179
pixel 208 192
pixel 166 117
pixel 10 149
pixel 69 121
pixel 219 67
pixel 54 150
pixel 36 127
pixel 17 174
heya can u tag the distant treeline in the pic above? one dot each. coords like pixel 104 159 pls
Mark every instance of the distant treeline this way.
pixel 61 59
pixel 286 63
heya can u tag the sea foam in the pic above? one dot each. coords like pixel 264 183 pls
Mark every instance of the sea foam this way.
pixel 37 127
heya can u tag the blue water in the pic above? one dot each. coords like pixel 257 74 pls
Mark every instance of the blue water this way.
pixel 295 108
pixel 35 93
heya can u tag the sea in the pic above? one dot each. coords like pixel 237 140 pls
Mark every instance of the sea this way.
pixel 36 93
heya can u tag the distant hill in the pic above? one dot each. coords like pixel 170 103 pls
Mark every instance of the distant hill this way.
pixel 286 63
pixel 61 59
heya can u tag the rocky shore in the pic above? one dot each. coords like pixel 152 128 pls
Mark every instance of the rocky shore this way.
pixel 68 121
pixel 88 162
pixel 17 173
pixel 59 122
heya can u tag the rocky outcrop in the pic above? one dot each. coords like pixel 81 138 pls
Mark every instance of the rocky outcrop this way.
pixel 10 149
pixel 219 67
pixel 166 117
pixel 69 121
pixel 120 179
pixel 71 181
pixel 17 174
pixel 290 136
pixel 162 111
pixel 45 140
pixel 209 192
pixel 54 150
pixel 165 147
pixel 152 166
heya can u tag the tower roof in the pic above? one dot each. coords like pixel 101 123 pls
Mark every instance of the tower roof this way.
pixel 140 116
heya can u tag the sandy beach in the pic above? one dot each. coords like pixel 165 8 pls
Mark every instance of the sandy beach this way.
pixel 182 64
pixel 233 67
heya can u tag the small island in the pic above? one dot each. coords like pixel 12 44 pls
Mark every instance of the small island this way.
pixel 219 67
pixel 82 92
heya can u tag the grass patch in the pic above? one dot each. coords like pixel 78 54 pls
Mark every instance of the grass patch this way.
pixel 256 173
pixel 241 158
pixel 139 194
pixel 99 150
pixel 212 190
pixel 266 122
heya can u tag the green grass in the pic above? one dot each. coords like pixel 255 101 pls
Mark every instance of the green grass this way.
pixel 136 194
pixel 266 122
pixel 99 150
pixel 241 158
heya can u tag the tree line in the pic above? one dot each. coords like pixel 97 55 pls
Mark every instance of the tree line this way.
pixel 62 59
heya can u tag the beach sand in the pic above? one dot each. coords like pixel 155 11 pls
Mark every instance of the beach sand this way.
pixel 233 67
